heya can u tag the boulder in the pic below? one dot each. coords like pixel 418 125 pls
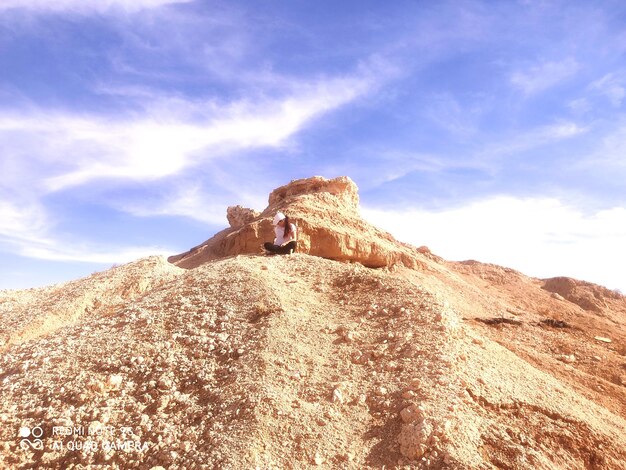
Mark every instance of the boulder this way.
pixel 239 216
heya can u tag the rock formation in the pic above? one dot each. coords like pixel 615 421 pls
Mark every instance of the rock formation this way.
pixel 239 216
pixel 585 294
pixel 326 212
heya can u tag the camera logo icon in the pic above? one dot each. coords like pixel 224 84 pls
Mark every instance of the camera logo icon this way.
pixel 31 438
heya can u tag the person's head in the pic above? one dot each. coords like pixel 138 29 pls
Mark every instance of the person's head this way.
pixel 279 219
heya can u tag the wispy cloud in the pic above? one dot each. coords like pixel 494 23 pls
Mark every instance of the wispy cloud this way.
pixel 542 76
pixel 170 136
pixel 88 253
pixel 613 86
pixel 450 114
pixel 85 6
pixel 25 231
pixel 189 201
pixel 607 158
pixel 22 221
pixel 540 236
pixel 533 138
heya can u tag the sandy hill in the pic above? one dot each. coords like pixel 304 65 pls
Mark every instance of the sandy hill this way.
pixel 348 354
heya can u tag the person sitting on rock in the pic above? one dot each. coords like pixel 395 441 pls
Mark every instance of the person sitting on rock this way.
pixel 285 241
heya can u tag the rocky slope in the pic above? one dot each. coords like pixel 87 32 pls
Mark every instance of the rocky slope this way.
pixel 298 361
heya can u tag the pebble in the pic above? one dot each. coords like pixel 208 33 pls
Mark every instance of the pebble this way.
pixel 390 366
pixel 603 339
pixel 414 384
pixel 163 402
pixel 359 358
pixel 115 381
pixel 164 383
pixel 410 413
pixel 337 396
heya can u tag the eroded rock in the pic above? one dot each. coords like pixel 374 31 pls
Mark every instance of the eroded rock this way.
pixel 326 212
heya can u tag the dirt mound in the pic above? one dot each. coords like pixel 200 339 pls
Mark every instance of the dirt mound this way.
pixel 30 313
pixel 584 349
pixel 250 361
pixel 329 225
pixel 290 362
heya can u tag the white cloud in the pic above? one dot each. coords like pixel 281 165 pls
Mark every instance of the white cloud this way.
pixel 25 221
pixel 190 202
pixel 25 230
pixel 606 161
pixel 580 105
pixel 170 139
pixel 613 86
pixel 86 6
pixel 449 114
pixel 540 77
pixel 533 138
pixel 90 253
pixel 559 131
pixel 539 236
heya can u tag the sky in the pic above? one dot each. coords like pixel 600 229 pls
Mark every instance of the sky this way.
pixel 486 130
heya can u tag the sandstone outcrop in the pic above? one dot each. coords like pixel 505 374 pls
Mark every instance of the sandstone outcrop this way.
pixel 326 212
pixel 586 295
pixel 239 216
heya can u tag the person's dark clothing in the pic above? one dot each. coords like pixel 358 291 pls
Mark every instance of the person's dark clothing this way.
pixel 280 250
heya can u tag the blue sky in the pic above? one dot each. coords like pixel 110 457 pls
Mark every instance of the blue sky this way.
pixel 489 130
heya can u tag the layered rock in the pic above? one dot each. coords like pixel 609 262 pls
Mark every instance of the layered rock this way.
pixel 586 295
pixel 326 212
